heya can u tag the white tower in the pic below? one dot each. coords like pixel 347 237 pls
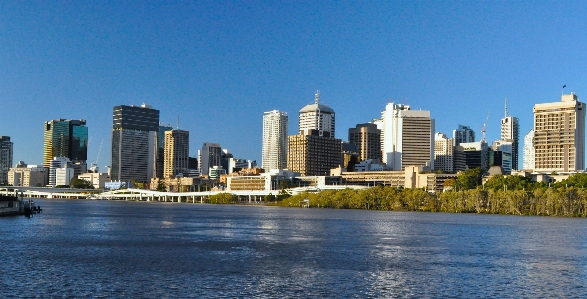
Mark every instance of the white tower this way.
pixel 317 116
pixel 275 140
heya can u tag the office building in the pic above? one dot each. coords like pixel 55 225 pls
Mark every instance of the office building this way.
pixel 313 152
pixel 559 135
pixel 501 155
pixel 176 154
pixel 443 153
pixel 529 151
pixel 317 116
pixel 28 175
pixel 408 137
pixel 134 140
pixel 160 162
pixel 476 155
pixel 6 147
pixel 367 138
pixel 65 138
pixel 57 178
pixel 275 132
pixel 209 156
pixel 350 156
pixel 463 134
pixel 510 132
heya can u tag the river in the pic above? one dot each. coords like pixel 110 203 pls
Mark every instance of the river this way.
pixel 118 249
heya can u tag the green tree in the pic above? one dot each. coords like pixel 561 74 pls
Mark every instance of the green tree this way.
pixel 469 179
pixel 80 184
pixel 161 187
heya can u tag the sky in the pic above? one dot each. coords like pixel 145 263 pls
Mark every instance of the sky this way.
pixel 218 65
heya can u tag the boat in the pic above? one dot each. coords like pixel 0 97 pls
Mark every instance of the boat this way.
pixel 11 205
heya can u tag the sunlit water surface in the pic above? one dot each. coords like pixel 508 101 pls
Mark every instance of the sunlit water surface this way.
pixel 116 249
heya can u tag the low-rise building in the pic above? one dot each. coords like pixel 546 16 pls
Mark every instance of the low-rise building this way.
pixel 98 180
pixel 28 176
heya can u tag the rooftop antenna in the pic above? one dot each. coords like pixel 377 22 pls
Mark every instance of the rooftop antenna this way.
pixel 178 121
pixel 317 97
pixel 484 126
pixel 506 107
pixel 563 92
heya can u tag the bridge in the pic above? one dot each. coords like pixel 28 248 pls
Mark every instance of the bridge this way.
pixel 150 195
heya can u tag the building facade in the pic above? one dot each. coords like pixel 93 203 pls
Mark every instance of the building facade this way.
pixel 443 153
pixel 65 138
pixel 463 134
pixel 559 135
pixel 529 151
pixel 408 137
pixel 6 153
pixel 275 138
pixel 367 138
pixel 176 154
pixel 134 141
pixel 313 152
pixel 28 176
pixel 476 155
pixel 317 116
pixel 160 162
pixel 210 155
pixel 510 132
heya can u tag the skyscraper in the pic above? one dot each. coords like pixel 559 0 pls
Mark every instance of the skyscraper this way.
pixel 367 138
pixel 463 134
pixel 176 152
pixel 5 159
pixel 160 163
pixel 443 153
pixel 317 116
pixel 275 130
pixel 510 132
pixel 559 135
pixel 134 133
pixel 65 138
pixel 529 151
pixel 210 156
pixel 313 152
pixel 408 137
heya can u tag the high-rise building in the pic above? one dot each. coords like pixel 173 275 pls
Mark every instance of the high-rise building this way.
pixel 177 143
pixel 160 163
pixel 529 151
pixel 443 153
pixel 476 155
pixel 463 134
pixel 65 138
pixel 317 116
pixel 5 159
pixel 210 155
pixel 510 132
pixel 501 154
pixel 134 140
pixel 367 138
pixel 408 137
pixel 313 152
pixel 275 131
pixel 559 135
pixel 60 163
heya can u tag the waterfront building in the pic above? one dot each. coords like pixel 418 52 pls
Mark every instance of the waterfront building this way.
pixel 408 137
pixel 559 135
pixel 209 156
pixel 134 143
pixel 529 150
pixel 160 162
pixel 65 138
pixel 176 154
pixel 318 117
pixel 6 153
pixel 476 155
pixel 443 152
pixel 501 154
pixel 313 152
pixel 463 134
pixel 96 179
pixel 367 138
pixel 510 132
pixel 28 175
pixel 275 132
pixel 59 163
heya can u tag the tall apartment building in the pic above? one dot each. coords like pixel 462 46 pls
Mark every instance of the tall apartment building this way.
pixel 6 147
pixel 313 152
pixel 317 116
pixel 176 153
pixel 367 138
pixel 463 134
pixel 210 155
pixel 559 135
pixel 408 137
pixel 275 140
pixel 160 161
pixel 443 153
pixel 65 138
pixel 134 140
pixel 510 132
pixel 529 151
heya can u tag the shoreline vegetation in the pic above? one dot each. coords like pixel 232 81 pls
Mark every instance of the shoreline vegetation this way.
pixel 508 195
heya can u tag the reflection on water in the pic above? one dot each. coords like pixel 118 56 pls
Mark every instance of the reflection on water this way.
pixel 137 249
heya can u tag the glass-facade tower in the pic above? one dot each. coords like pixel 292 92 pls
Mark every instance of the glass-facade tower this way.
pixel 65 138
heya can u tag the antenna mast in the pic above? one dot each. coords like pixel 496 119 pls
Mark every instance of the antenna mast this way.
pixel 506 107
pixel 484 126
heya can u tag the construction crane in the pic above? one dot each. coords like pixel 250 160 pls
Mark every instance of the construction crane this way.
pixel 484 126
pixel 95 163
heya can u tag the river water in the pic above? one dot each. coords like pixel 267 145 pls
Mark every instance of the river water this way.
pixel 117 249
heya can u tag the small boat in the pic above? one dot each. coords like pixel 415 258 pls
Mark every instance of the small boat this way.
pixel 13 205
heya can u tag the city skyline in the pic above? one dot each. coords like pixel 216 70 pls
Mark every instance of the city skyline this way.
pixel 238 60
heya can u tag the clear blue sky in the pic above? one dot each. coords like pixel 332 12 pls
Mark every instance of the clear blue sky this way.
pixel 219 65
